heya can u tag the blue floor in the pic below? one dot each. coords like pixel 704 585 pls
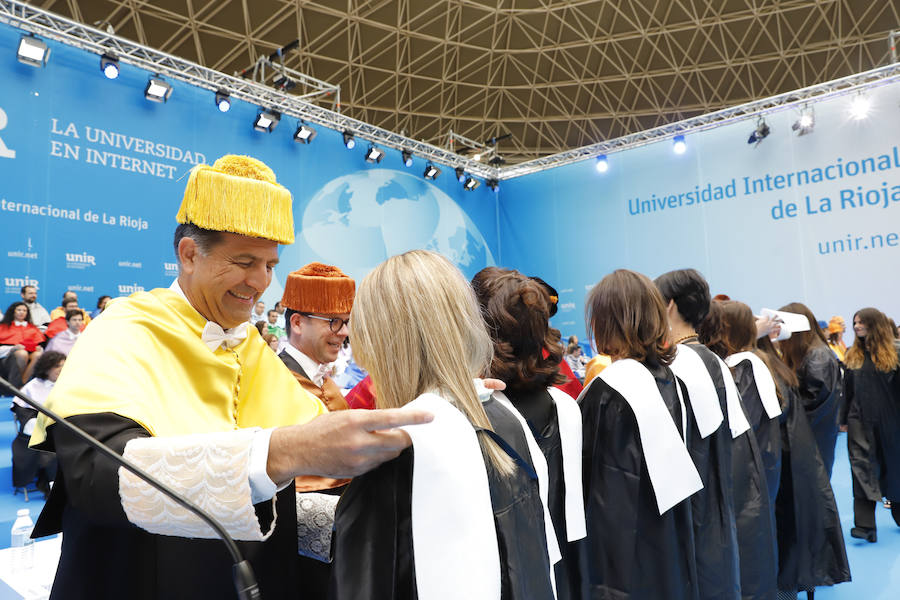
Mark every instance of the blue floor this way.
pixel 875 567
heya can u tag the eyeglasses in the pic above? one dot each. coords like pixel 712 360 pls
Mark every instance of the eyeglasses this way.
pixel 336 323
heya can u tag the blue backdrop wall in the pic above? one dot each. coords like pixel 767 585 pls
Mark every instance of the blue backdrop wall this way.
pixel 91 176
pixel 812 218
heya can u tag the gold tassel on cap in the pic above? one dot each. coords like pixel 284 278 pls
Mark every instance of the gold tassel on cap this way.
pixel 238 194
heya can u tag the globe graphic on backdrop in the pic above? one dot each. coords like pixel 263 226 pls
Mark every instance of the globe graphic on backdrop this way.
pixel 358 220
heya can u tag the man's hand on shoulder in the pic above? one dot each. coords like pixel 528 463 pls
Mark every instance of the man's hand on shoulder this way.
pixel 340 444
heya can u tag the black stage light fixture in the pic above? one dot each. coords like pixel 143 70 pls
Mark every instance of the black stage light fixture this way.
pixel 32 51
pixel 761 132
pixel 266 120
pixel 349 140
pixel 460 174
pixel 431 172
pixel 493 184
pixel 223 101
pixel 407 158
pixel 374 154
pixel 109 64
pixel 470 183
pixel 283 82
pixel 304 134
pixel 497 161
pixel 157 90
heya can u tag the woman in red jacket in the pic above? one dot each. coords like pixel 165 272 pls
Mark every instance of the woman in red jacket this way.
pixel 20 338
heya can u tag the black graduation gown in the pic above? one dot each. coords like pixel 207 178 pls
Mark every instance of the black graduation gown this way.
pixel 631 551
pixel 539 411
pixel 768 434
pixel 810 541
pixel 105 556
pixel 754 514
pixel 372 543
pixel 820 393
pixel 872 414
pixel 712 508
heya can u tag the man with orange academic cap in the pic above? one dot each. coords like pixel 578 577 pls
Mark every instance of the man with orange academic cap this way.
pixel 318 299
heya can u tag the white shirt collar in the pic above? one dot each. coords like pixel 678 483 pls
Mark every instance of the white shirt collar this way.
pixel 21 323
pixel 311 367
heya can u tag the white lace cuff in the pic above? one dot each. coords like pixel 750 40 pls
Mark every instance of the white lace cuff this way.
pixel 210 469
pixel 315 522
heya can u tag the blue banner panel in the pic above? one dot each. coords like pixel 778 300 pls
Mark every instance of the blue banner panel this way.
pixel 812 218
pixel 92 173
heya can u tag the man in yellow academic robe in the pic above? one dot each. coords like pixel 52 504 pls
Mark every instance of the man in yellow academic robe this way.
pixel 176 380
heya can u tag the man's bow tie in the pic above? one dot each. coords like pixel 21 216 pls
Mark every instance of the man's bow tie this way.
pixel 214 336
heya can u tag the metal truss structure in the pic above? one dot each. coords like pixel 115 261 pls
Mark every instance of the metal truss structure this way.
pixel 570 79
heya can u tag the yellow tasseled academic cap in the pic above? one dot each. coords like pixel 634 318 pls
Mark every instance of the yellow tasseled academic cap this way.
pixel 238 194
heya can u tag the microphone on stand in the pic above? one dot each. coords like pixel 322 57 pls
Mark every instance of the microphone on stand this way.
pixel 244 580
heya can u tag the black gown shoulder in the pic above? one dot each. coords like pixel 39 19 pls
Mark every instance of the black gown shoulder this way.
pixel 766 430
pixel 372 542
pixel 718 565
pixel 811 548
pixel 820 393
pixel 631 551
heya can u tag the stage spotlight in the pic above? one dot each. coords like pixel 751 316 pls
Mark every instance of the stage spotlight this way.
pixel 266 121
pixel 431 172
pixel 223 101
pixel 304 133
pixel 374 155
pixel 157 90
pixel 859 108
pixel 470 183
pixel 761 132
pixel 407 158
pixel 460 174
pixel 602 165
pixel 349 140
pixel 477 157
pixel 109 64
pixel 805 123
pixel 678 144
pixel 493 184
pixel 32 51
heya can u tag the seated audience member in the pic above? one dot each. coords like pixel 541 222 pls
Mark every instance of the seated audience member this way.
pixel 638 472
pixel 60 311
pixel 516 310
pixel 261 327
pixel 29 464
pixel 259 313
pixel 20 338
pixel 576 360
pixel 272 326
pixel 60 323
pixel 39 315
pixel 64 340
pixel 279 308
pixel 101 305
pixel 459 514
pixel 271 341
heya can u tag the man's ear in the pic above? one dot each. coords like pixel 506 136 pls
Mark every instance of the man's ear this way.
pixel 187 254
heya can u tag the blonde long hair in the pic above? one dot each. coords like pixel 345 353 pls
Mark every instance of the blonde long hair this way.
pixel 416 327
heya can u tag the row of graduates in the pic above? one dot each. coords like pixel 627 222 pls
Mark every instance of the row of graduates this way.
pixel 701 474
